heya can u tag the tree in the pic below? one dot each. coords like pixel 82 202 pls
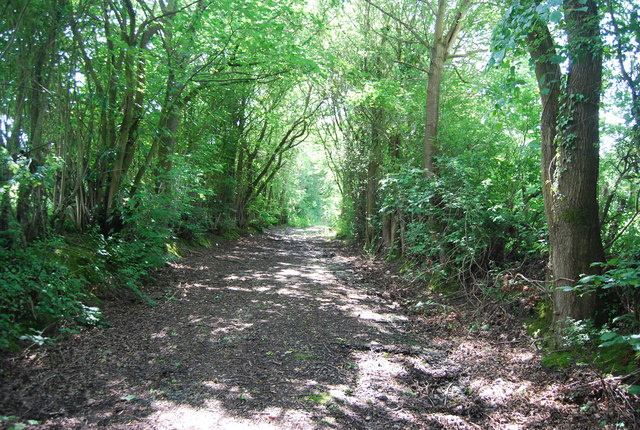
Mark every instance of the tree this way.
pixel 622 31
pixel 570 138
pixel 440 46
pixel 28 59
pixel 268 130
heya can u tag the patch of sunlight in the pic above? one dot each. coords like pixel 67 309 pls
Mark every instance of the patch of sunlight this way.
pixel 498 417
pixel 243 289
pixel 196 319
pixel 317 274
pixel 232 326
pixel 339 392
pixel 369 315
pixel 194 285
pixel 374 366
pixel 289 272
pixel 214 385
pixel 232 256
pixel 259 275
pixel 452 421
pixel 293 291
pixel 159 335
pixel 175 265
pixel 522 357
pixel 497 392
pixel 366 314
pixel 173 249
pixel 379 383
pixel 211 416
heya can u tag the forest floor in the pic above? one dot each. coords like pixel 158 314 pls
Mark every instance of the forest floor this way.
pixel 291 330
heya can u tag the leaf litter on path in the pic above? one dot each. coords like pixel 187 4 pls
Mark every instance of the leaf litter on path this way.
pixel 285 330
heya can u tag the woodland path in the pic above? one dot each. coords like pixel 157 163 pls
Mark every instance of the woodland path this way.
pixel 277 331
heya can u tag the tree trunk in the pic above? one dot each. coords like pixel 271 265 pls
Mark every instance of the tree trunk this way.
pixel 434 84
pixel 575 228
pixel 31 208
pixel 390 221
pixel 373 166
pixel 440 48
pixel 570 155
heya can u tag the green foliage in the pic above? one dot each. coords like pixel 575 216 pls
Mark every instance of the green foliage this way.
pixel 459 216
pixel 522 18
pixel 559 360
pixel 581 343
pixel 310 191
pixel 614 347
pixel 321 398
pixel 346 223
pixel 620 277
pixel 13 422
pixel 623 274
pixel 263 213
pixel 612 338
pixel 619 174
pixel 37 291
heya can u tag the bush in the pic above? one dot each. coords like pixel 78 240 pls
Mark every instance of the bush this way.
pixel 616 345
pixel 37 290
pixel 459 226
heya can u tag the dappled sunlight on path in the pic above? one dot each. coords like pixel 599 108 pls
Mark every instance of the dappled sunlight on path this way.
pixel 273 331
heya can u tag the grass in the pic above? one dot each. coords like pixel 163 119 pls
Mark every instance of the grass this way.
pixel 321 398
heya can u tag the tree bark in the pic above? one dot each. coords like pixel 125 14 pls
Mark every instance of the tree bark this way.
pixel 575 230
pixel 570 137
pixel 372 180
pixel 440 48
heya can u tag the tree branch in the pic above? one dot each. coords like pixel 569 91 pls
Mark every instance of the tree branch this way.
pixel 412 30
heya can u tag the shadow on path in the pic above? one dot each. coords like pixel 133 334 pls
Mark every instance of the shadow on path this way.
pixel 271 331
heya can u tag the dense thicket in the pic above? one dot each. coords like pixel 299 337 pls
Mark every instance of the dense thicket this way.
pixel 126 125
pixel 461 138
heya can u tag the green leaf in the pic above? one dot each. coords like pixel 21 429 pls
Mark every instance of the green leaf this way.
pixel 8 417
pixel 608 335
pixel 542 9
pixel 129 398
pixel 587 279
pixel 556 59
pixel 634 389
pixel 555 16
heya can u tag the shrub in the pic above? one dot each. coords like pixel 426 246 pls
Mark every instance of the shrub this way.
pixel 37 290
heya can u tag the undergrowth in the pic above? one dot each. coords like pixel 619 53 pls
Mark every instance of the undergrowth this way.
pixel 613 345
pixel 56 285
pixel 37 291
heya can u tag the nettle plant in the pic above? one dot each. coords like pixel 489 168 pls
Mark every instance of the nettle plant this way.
pixel 618 341
pixel 621 276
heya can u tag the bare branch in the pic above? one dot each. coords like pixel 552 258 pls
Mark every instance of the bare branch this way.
pixel 410 28
pixel 628 224
pixel 467 54
pixel 412 66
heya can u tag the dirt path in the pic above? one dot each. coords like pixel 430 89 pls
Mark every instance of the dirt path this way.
pixel 279 331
